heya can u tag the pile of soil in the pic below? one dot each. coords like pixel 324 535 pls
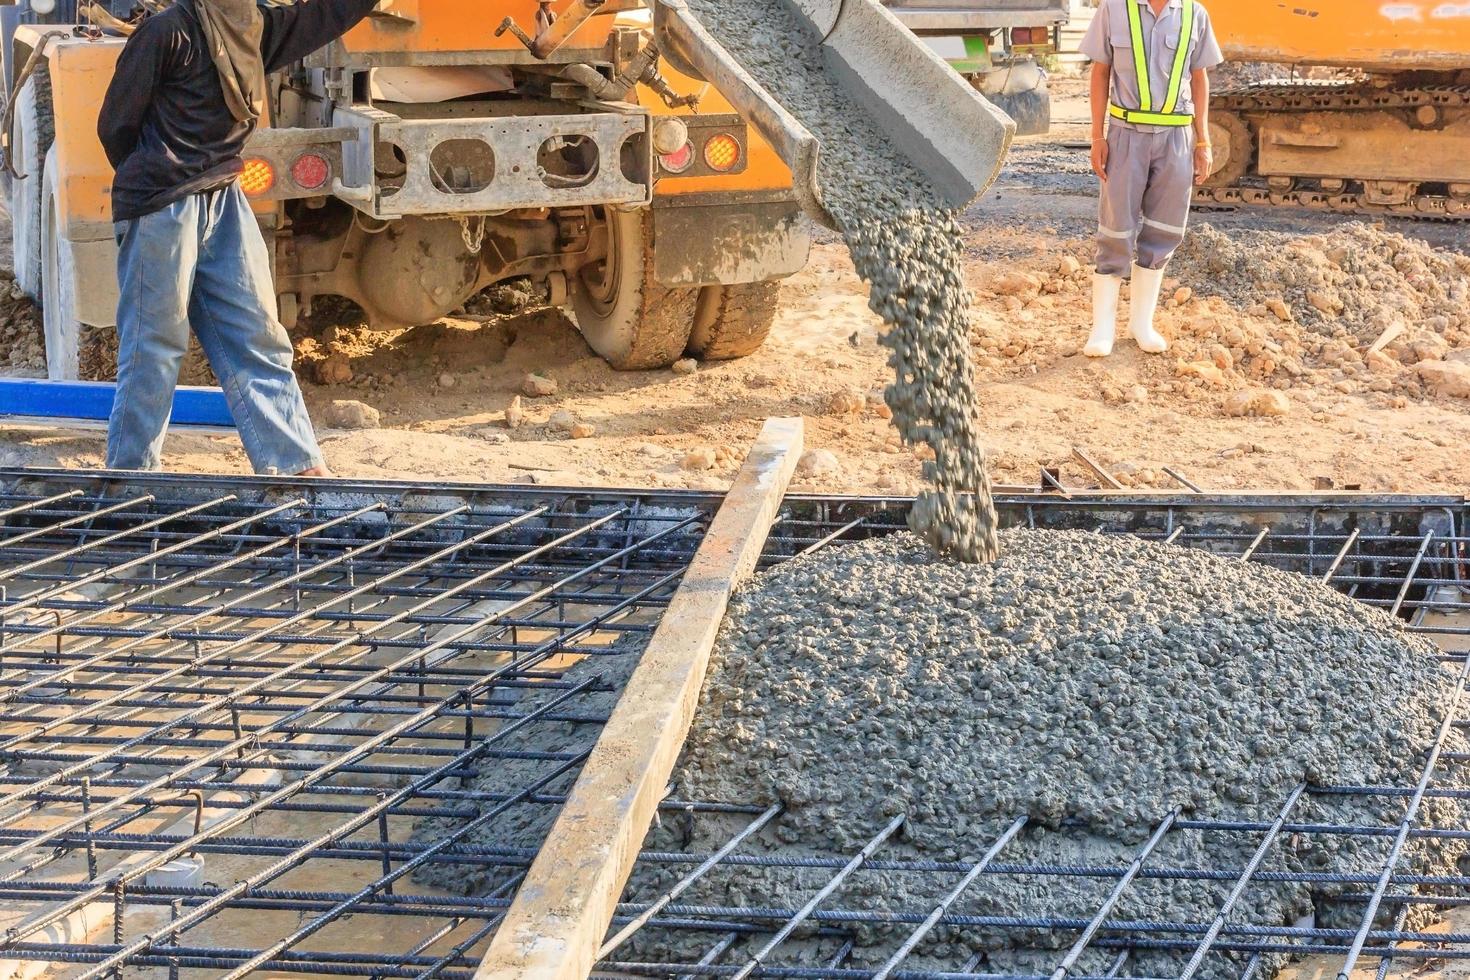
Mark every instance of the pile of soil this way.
pixel 1089 682
pixel 1238 74
pixel 97 358
pixel 1352 283
pixel 22 337
pixel 1242 74
pixel 1249 314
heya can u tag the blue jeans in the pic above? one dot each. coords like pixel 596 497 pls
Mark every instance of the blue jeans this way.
pixel 202 263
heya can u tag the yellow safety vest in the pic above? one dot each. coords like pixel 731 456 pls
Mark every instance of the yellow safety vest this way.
pixel 1145 114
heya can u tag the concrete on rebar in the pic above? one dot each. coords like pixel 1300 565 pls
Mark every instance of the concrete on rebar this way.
pixel 1090 683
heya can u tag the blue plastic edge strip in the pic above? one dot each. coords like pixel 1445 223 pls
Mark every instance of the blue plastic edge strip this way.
pixel 93 400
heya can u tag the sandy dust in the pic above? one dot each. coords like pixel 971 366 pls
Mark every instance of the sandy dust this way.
pixel 443 390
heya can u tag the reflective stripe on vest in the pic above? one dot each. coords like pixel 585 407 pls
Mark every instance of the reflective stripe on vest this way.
pixel 1181 56
pixel 1146 113
pixel 1150 118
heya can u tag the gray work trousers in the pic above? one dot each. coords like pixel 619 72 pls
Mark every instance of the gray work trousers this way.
pixel 1146 198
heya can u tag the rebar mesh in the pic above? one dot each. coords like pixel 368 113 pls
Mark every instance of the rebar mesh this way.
pixel 228 707
pixel 225 709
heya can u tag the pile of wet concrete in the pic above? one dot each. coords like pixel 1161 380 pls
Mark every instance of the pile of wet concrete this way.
pixel 1090 683
pixel 906 245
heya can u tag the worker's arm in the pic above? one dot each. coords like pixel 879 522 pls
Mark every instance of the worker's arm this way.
pixel 1204 158
pixel 140 69
pixel 1102 80
pixel 1097 46
pixel 1206 55
pixel 292 32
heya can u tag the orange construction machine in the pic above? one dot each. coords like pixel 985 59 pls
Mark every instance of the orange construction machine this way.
pixel 1390 133
pixel 610 151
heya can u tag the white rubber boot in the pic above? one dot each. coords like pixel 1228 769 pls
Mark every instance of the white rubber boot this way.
pixel 1105 291
pixel 1144 297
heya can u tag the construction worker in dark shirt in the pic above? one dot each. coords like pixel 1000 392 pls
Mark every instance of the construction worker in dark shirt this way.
pixel 189 89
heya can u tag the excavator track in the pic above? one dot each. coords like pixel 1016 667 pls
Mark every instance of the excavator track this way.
pixel 1432 201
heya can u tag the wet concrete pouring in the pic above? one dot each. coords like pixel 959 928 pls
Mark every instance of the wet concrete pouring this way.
pixel 909 250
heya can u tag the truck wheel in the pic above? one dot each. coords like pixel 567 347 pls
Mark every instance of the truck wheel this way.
pixel 733 321
pixel 32 139
pixel 58 290
pixel 626 317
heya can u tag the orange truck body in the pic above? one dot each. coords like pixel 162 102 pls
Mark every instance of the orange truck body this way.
pixel 461 31
pixel 81 70
pixel 1380 36
pixel 413 27
pixel 1396 141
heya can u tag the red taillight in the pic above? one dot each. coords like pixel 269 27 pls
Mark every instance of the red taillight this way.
pixel 678 161
pixel 310 171
pixel 722 152
pixel 257 177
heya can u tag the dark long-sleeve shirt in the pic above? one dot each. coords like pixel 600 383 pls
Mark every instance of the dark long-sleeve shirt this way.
pixel 164 123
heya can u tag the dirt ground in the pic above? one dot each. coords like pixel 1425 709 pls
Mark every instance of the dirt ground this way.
pixel 1280 331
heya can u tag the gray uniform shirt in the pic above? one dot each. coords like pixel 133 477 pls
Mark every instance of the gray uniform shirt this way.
pixel 1109 42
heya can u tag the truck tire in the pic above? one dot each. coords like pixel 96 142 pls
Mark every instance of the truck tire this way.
pixel 733 321
pixel 34 133
pixel 631 321
pixel 58 290
pixel 1031 110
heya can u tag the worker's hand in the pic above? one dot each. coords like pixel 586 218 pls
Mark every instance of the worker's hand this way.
pixel 1204 162
pixel 1100 158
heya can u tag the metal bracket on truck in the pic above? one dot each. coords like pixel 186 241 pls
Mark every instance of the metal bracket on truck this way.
pixel 514 155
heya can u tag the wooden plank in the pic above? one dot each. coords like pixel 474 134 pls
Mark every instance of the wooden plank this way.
pixel 1108 482
pixel 557 920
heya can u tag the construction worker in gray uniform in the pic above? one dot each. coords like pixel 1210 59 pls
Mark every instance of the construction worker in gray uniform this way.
pixel 1151 92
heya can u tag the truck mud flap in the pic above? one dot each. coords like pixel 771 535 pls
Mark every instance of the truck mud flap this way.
pixel 726 243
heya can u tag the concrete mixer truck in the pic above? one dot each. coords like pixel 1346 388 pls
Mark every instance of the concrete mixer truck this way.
pixel 609 151
pixel 999 46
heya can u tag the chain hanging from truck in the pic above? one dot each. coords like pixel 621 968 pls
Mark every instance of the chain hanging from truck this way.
pixel 473 240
